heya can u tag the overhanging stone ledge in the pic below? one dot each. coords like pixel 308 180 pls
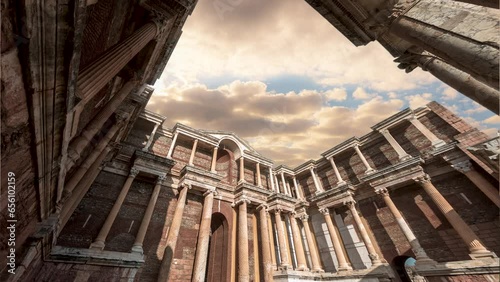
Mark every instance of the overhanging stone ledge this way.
pixel 97 257
pixel 385 172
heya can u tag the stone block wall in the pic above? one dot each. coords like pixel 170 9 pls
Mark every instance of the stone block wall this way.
pixel 203 158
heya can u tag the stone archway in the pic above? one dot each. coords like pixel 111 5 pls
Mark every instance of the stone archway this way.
pixel 219 263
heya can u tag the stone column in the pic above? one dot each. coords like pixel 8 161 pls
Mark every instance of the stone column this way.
pixel 266 247
pixel 173 234
pixel 316 265
pixel 369 169
pixel 193 152
pixel 277 183
pixel 242 170
pixel 259 180
pixel 281 240
pixel 317 185
pixel 297 242
pixel 419 252
pixel 471 56
pixel 101 237
pixel 214 161
pixel 436 142
pixel 150 139
pixel 337 173
pixel 476 248
pixel 284 183
pixel 395 145
pixel 364 235
pixel 172 145
pixel 78 144
pixel 482 183
pixel 96 75
pixel 297 190
pixel 271 179
pixel 141 234
pixel 336 241
pixel 243 266
pixel 201 256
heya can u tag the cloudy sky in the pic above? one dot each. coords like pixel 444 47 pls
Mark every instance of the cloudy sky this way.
pixel 280 76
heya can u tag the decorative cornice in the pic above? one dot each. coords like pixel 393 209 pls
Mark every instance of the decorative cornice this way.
pixel 384 172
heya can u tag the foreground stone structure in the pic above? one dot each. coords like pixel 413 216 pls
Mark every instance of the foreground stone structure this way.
pixel 103 192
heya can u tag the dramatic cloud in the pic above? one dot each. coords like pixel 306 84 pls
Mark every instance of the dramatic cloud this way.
pixel 419 100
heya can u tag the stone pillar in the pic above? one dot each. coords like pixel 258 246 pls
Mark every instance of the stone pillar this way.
pixel 364 235
pixel 173 234
pixel 193 152
pixel 419 252
pixel 150 139
pixel 141 234
pixel 242 170
pixel 243 266
pixel 482 183
pixel 284 183
pixel 336 241
pixel 103 233
pixel 337 173
pixel 476 248
pixel 317 185
pixel 96 75
pixel 277 183
pixel 369 169
pixel 201 256
pixel 471 56
pixel 172 145
pixel 281 240
pixel 271 179
pixel 214 161
pixel 297 190
pixel 297 242
pixel 78 144
pixel 436 142
pixel 266 247
pixel 259 180
pixel 395 145
pixel 316 265
pixel 271 240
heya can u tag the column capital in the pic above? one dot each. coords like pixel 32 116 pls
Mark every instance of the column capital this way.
pixel 463 166
pixel 133 172
pixel 350 203
pixel 423 179
pixel 214 192
pixel 304 217
pixel 240 201
pixel 382 192
pixel 324 211
pixel 262 206
pixel 278 210
pixel 185 185
pixel 161 178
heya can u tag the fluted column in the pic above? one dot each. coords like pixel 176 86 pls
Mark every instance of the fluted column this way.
pixel 482 183
pixel 271 179
pixel 317 185
pixel 242 170
pixel 193 152
pixel 369 169
pixel 417 249
pixel 96 75
pixel 141 234
pixel 285 189
pixel 476 248
pixel 332 229
pixel 259 180
pixel 316 265
pixel 172 145
pixel 284 264
pixel 101 237
pixel 243 266
pixel 297 242
pixel 471 56
pixel 395 145
pixel 364 234
pixel 173 234
pixel 337 173
pixel 297 190
pixel 436 142
pixel 201 256
pixel 214 160
pixel 265 244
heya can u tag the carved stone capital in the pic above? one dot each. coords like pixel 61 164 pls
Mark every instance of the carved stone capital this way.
pixel 324 211
pixel 133 172
pixel 382 192
pixel 423 179
pixel 463 167
pixel 304 217
pixel 350 204
pixel 262 206
pixel 161 178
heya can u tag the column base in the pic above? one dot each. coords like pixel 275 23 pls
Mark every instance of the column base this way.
pixel 302 268
pixel 318 270
pixel 482 255
pixel 404 158
pixel 344 268
pixel 98 245
pixel 340 183
pixel 318 192
pixel 284 267
pixel 137 249
pixel 437 144
pixel 370 171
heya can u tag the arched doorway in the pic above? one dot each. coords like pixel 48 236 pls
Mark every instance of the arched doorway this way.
pixel 218 264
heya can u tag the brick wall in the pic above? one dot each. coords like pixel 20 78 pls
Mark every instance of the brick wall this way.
pixel 160 145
